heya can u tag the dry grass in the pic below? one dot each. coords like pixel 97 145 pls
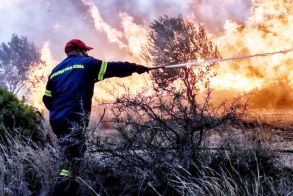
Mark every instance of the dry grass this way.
pixel 241 170
pixel 27 169
pixel 237 168
pixel 224 183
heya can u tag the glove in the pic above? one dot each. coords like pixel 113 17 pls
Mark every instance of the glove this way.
pixel 142 69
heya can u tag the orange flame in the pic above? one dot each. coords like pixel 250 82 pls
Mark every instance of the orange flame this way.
pixel 38 90
pixel 268 29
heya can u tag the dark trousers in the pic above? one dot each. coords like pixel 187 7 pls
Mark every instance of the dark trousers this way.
pixel 70 133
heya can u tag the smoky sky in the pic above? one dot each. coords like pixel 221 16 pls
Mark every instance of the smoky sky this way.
pixel 58 21
pixel 214 13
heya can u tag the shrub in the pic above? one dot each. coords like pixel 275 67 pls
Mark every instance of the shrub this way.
pixel 153 134
pixel 233 169
pixel 156 132
pixel 173 40
pixel 19 119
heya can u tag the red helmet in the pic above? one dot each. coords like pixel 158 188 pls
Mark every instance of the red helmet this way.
pixel 76 44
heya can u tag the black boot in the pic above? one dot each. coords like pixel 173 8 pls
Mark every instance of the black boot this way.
pixel 64 186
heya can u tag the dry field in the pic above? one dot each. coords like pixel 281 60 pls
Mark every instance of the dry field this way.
pixel 271 128
pixel 276 117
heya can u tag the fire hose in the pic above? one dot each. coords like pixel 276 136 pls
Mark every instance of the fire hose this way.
pixel 209 61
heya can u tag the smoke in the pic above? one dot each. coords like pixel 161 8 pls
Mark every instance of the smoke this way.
pixel 135 34
pixel 277 95
pixel 214 13
pixel 98 23
pixel 113 35
pixel 54 21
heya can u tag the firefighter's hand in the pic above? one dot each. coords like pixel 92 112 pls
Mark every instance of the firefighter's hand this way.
pixel 142 69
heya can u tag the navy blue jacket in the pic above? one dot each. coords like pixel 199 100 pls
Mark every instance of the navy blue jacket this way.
pixel 70 86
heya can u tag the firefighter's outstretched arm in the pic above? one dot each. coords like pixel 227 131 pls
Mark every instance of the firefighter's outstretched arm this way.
pixel 119 69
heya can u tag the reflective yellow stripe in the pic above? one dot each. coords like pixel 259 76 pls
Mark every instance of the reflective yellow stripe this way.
pixel 64 172
pixel 48 93
pixel 78 66
pixel 102 70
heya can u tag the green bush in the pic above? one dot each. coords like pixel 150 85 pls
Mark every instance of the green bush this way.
pixel 17 117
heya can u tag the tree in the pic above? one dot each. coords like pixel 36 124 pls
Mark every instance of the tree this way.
pixel 17 57
pixel 176 40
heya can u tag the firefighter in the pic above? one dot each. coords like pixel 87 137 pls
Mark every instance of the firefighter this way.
pixel 68 97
